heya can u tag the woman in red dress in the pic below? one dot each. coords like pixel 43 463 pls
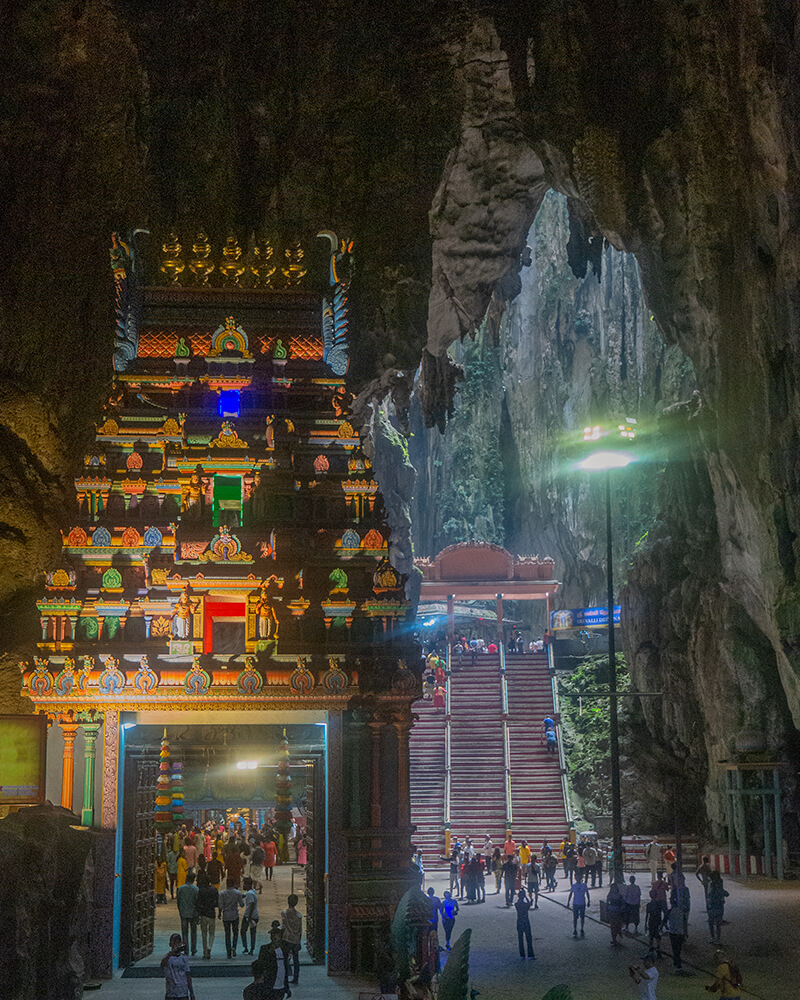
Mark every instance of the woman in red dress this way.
pixel 270 856
pixel 438 697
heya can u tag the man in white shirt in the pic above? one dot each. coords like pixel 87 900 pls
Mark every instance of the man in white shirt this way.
pixel 176 971
pixel 292 927
pixel 646 978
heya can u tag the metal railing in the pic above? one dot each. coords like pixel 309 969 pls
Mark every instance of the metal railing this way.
pixel 562 760
pixel 447 752
pixel 506 739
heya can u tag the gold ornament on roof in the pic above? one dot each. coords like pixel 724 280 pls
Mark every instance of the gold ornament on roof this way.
pixel 228 438
pixel 262 266
pixel 172 265
pixel 231 268
pixel 294 270
pixel 200 265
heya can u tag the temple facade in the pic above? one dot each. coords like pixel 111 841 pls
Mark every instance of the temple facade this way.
pixel 228 558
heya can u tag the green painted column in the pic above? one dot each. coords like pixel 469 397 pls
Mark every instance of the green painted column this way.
pixel 91 731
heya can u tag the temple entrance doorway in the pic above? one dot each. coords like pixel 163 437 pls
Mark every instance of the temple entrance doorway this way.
pixel 232 778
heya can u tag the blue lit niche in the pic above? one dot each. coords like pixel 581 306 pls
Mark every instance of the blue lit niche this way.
pixel 229 403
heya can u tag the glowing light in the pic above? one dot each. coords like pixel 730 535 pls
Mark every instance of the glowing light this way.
pixel 599 461
pixel 247 765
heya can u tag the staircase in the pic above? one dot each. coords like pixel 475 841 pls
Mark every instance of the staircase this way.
pixel 477 785
pixel 426 752
pixel 477 800
pixel 537 797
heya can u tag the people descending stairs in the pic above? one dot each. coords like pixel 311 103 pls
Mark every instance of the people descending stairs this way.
pixel 477 786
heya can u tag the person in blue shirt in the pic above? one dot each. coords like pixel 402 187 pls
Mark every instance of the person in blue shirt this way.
pixel 551 741
pixel 579 894
pixel 449 910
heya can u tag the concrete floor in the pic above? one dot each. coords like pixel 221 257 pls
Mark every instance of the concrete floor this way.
pixel 762 930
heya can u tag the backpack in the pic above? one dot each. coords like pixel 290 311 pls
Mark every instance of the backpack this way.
pixel 734 975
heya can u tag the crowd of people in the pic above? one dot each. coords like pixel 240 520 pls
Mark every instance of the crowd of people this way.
pixel 523 874
pixel 213 872
pixel 221 852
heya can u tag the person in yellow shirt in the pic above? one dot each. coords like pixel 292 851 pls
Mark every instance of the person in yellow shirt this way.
pixel 161 881
pixel 525 859
pixel 183 868
pixel 726 978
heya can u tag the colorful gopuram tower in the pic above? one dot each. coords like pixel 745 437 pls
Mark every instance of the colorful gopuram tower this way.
pixel 229 552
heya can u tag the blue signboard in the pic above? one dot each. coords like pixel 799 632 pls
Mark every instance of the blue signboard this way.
pixel 582 618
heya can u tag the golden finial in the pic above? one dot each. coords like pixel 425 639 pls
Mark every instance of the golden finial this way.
pixel 172 265
pixel 262 266
pixel 294 270
pixel 200 265
pixel 231 269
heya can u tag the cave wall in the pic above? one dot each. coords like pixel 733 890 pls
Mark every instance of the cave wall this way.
pixel 567 352
pixel 431 133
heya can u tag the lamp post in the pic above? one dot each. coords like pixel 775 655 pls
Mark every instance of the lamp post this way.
pixel 613 453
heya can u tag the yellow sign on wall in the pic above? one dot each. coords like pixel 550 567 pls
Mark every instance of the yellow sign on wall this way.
pixel 22 758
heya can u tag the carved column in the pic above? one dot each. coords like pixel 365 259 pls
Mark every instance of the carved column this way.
pixel 90 733
pixel 108 814
pixel 375 731
pixel 402 724
pixel 69 731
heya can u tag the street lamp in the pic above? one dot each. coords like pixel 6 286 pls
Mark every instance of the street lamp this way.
pixel 612 452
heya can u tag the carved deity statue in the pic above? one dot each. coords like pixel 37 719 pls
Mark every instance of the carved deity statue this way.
pixel 182 615
pixel 192 493
pixel 266 618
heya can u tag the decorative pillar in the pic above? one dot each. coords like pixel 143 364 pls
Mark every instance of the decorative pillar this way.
pixel 375 730
pixel 108 815
pixel 402 724
pixel 69 731
pixel 90 733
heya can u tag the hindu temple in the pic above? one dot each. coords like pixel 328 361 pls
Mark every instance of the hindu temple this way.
pixel 229 564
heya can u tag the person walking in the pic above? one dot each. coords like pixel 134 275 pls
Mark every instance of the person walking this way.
pixel 524 936
pixel 187 909
pixel 172 869
pixel 632 895
pixel 207 906
pixel 509 878
pixel 177 972
pixel 250 917
pixel 270 856
pixel 570 862
pixel 615 911
pixel 292 936
pixel 190 853
pixel 161 881
pixel 214 871
pixel 653 921
pixel 449 910
pixel 715 906
pixel 497 868
pixel 510 846
pixel 181 868
pixel 524 858
pixel 652 856
pixel 230 901
pixel 550 869
pixel 579 895
pixel 704 872
pixel 675 927
pixel 590 860
pixel 534 881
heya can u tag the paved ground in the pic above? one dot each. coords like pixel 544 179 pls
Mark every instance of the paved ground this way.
pixel 762 934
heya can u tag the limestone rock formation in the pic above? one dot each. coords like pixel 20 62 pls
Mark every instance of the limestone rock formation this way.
pixel 45 921
pixel 671 129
